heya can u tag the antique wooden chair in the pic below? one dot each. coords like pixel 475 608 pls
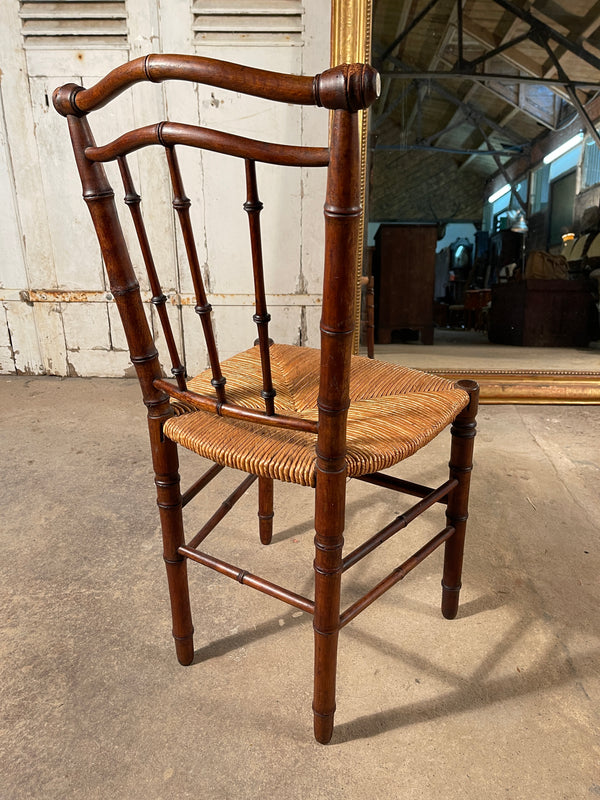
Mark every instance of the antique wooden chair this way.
pixel 275 411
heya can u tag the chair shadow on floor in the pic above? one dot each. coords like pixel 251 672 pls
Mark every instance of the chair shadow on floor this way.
pixel 294 618
pixel 469 692
pixel 466 692
pixel 481 687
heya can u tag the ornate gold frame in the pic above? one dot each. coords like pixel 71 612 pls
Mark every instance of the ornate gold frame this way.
pixel 350 42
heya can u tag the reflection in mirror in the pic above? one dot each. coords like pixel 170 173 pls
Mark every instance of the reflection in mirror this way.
pixel 483 198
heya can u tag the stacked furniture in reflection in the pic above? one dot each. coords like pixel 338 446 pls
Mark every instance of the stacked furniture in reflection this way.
pixel 549 307
pixel 531 299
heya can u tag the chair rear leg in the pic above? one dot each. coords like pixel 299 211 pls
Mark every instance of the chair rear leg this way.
pixel 166 466
pixel 265 509
pixel 461 465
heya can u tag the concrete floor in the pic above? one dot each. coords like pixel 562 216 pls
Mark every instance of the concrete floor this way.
pixel 459 349
pixel 503 702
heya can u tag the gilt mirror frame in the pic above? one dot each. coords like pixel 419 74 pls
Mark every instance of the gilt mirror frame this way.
pixel 351 25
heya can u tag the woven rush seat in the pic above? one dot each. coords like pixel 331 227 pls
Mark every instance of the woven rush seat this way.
pixel 393 412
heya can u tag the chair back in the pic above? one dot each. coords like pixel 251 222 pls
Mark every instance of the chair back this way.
pixel 344 90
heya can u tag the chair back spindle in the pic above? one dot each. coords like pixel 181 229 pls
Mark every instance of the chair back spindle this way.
pixel 181 204
pixel 253 207
pixel 159 300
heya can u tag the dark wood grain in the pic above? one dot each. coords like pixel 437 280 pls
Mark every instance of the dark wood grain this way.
pixel 144 356
pixel 159 300
pixel 181 204
pixel 349 86
pixel 342 216
pixel 265 509
pixel 401 522
pixel 205 403
pixel 461 465
pixel 169 134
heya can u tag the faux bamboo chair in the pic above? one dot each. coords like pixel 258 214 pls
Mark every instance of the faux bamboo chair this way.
pixel 276 411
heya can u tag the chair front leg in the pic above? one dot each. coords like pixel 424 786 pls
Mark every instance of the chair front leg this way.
pixel 329 541
pixel 461 464
pixel 166 469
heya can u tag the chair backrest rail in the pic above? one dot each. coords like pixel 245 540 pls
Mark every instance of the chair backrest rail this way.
pixel 172 133
pixel 158 67
pixel 344 89
pixel 348 87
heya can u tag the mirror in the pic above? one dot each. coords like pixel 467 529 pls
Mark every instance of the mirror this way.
pixel 353 23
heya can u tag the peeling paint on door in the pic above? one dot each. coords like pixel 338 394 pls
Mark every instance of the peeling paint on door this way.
pixel 56 315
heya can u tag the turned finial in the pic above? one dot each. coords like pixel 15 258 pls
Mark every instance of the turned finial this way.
pixel 347 86
pixel 64 99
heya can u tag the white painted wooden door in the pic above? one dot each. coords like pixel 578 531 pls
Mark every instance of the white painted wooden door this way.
pixel 56 314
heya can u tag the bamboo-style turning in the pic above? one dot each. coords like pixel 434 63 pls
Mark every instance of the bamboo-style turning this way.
pixel 169 134
pixel 222 511
pixel 350 87
pixel 159 300
pixel 399 523
pixel 265 509
pixel 248 579
pixel 253 207
pixel 204 403
pixel 181 204
pixel 399 485
pixel 397 575
pixel 296 414
pixel 200 484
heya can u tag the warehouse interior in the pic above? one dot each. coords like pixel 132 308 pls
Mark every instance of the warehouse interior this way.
pixel 482 171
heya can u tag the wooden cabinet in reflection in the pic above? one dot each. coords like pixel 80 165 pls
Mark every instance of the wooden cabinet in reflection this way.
pixel 404 272
pixel 543 313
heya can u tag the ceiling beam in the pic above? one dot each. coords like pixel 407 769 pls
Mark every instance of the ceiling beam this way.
pixel 584 116
pixel 592 22
pixel 404 33
pixel 513 56
pixel 458 117
pixel 378 119
pixel 503 122
pixel 581 30
pixel 387 85
pixel 457 151
pixel 522 202
pixel 471 113
pixel 433 62
pixel 482 77
pixel 549 33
